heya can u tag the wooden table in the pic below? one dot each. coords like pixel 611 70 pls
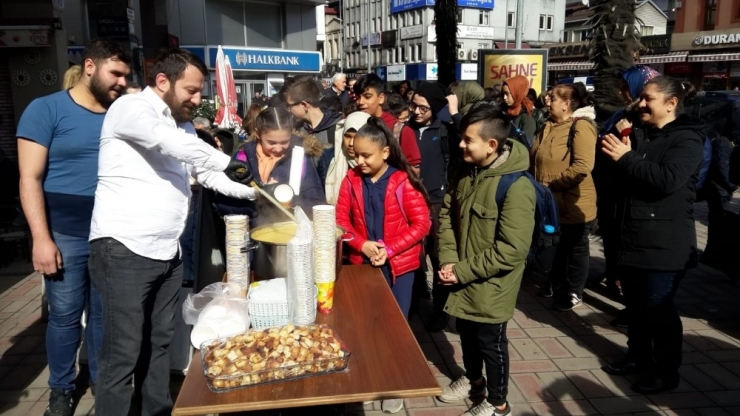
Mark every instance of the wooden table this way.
pixel 386 360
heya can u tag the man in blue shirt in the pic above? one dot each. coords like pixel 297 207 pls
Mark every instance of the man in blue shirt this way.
pixel 58 141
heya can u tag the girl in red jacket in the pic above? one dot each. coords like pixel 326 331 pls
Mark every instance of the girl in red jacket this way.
pixel 384 205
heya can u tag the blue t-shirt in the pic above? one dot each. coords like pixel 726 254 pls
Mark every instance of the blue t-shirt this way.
pixel 72 135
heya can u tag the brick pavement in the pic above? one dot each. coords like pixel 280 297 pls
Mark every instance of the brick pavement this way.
pixel 555 356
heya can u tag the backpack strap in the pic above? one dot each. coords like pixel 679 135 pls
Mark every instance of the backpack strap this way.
pixel 571 137
pixel 397 130
pixel 503 187
pixel 399 197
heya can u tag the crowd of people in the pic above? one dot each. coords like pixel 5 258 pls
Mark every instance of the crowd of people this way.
pixel 414 172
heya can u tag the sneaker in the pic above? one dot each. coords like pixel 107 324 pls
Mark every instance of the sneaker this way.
pixel 545 290
pixel 60 404
pixel 461 389
pixel 568 302
pixel 487 409
pixel 391 405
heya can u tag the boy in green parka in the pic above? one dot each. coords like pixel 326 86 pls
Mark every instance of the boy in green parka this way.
pixel 483 250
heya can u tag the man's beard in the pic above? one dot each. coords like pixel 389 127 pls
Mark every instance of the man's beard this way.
pixel 101 92
pixel 181 112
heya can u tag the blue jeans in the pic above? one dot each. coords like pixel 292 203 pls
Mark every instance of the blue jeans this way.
pixel 655 331
pixel 139 297
pixel 402 290
pixel 68 292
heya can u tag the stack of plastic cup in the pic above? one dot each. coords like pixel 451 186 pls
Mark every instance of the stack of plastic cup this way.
pixel 237 261
pixel 300 284
pixel 325 254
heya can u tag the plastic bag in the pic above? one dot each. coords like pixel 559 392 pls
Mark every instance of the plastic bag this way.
pixel 195 303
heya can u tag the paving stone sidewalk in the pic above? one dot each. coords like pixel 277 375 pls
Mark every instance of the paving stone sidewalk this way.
pixel 555 356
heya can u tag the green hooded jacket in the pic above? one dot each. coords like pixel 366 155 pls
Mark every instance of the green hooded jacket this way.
pixel 489 248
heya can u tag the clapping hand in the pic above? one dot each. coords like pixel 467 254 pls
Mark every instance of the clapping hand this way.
pixel 615 148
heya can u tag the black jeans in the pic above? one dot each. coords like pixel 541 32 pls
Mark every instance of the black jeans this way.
pixel 655 330
pixel 486 344
pixel 139 297
pixel 570 269
pixel 431 249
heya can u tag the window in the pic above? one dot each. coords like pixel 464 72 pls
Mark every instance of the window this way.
pixel 483 18
pixel 418 51
pixel 403 54
pixel 710 15
pixel 546 22
pixel 646 30
pixel 413 54
pixel 510 19
pixel 566 37
pixel 459 16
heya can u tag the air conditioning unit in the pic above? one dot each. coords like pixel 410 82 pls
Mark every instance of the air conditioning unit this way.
pixel 462 54
pixel 473 55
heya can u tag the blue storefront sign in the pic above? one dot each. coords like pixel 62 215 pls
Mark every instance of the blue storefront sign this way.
pixel 278 60
pixel 199 51
pixel 403 5
pixel 476 4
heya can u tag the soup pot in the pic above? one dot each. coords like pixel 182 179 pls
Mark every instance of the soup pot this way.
pixel 270 246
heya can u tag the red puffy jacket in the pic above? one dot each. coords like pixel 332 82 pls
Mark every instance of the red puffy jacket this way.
pixel 402 237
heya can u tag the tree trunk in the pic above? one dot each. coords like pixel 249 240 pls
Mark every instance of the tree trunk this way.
pixel 445 17
pixel 613 44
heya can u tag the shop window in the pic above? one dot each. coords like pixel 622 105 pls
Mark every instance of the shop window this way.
pixel 710 14
pixel 510 19
pixel 483 19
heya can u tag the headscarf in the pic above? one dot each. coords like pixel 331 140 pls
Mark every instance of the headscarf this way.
pixel 434 93
pixel 636 78
pixel 468 93
pixel 519 87
pixel 341 163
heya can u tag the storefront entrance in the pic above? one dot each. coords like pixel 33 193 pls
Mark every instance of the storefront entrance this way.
pixel 245 91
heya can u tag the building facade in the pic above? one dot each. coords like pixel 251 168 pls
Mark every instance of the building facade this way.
pixel 396 38
pixel 708 33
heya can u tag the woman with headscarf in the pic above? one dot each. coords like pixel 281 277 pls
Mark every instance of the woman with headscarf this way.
pixel 518 106
pixel 609 185
pixel 344 160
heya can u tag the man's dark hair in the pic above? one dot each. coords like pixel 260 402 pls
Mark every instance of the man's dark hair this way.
pixel 370 81
pixel 494 124
pixel 303 89
pixel 331 103
pixel 172 63
pixel 98 50
pixel 395 104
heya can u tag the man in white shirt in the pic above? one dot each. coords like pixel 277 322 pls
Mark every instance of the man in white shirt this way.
pixel 148 151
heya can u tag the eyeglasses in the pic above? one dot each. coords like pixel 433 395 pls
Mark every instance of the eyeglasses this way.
pixel 288 106
pixel 422 108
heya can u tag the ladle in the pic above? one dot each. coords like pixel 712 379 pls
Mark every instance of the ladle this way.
pixel 273 201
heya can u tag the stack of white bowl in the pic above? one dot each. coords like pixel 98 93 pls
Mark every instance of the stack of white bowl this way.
pixel 237 261
pixel 325 243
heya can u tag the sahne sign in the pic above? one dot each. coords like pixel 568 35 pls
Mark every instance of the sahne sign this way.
pixel 497 65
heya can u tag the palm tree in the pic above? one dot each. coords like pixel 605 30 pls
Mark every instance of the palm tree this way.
pixel 614 41
pixel 445 17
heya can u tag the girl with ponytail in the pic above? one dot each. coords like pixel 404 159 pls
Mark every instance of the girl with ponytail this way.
pixel 384 205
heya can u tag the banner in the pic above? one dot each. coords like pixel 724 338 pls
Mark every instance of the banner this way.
pixel 496 65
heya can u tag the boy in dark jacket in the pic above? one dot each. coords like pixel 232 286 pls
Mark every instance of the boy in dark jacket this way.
pixel 483 250
pixel 302 98
pixel 370 98
pixel 429 99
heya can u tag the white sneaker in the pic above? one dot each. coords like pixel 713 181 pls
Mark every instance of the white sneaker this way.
pixel 487 409
pixel 461 389
pixel 391 405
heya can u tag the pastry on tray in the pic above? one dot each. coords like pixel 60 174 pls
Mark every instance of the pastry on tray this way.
pixel 272 354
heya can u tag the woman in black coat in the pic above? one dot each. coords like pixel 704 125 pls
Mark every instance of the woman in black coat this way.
pixel 657 241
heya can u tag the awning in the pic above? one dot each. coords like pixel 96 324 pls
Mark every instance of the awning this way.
pixel 714 57
pixel 512 45
pixel 577 65
pixel 664 58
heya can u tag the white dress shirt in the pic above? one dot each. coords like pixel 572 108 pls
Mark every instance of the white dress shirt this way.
pixel 146 160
